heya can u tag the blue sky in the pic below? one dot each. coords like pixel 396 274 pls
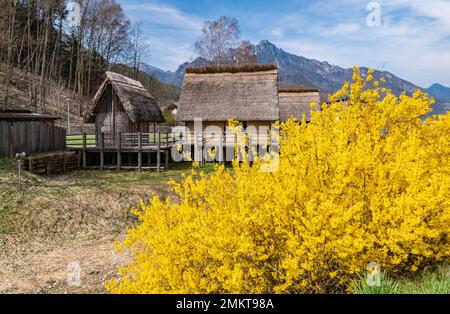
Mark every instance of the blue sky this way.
pixel 413 40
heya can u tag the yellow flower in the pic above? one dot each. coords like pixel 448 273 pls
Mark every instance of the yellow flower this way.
pixel 366 180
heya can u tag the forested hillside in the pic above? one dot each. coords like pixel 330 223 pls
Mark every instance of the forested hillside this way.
pixel 48 58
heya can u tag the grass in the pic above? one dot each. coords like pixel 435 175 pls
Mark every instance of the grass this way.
pixel 77 140
pixel 81 214
pixel 74 216
pixel 435 280
pixel 43 196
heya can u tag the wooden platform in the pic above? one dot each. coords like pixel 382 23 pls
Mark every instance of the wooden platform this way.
pixel 141 151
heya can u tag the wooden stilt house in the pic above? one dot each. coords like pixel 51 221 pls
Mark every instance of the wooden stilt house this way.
pixel 123 105
pixel 216 94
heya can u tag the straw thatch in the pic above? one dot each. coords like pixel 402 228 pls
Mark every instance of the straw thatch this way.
pixel 244 68
pixel 135 99
pixel 244 93
pixel 297 90
pixel 294 102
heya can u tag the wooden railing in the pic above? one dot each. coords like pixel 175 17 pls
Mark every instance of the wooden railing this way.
pixel 124 140
pixel 143 140
pixel 226 138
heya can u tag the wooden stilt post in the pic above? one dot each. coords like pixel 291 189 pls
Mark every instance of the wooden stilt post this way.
pixel 158 153
pixel 48 165
pixel 139 151
pixel 250 152
pixel 84 151
pixel 102 150
pixel 194 156
pixel 221 144
pixel 64 162
pixel 166 154
pixel 119 148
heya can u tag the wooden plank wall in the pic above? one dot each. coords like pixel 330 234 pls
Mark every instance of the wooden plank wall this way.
pixel 30 137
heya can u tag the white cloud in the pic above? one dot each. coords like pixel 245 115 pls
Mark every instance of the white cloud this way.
pixel 413 40
pixel 340 29
pixel 166 15
pixel 277 32
pixel 168 53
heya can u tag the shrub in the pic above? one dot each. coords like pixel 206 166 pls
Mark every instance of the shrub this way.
pixel 367 180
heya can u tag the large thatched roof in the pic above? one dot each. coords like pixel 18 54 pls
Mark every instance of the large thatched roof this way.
pixel 247 93
pixel 296 101
pixel 136 100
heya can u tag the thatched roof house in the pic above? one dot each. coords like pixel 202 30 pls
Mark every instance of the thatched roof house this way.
pixel 294 102
pixel 216 94
pixel 123 105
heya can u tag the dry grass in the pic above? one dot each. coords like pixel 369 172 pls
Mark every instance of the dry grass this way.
pixel 75 217
pixel 245 68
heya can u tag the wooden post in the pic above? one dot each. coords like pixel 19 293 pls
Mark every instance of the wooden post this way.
pixel 158 153
pixel 48 166
pixel 102 150
pixel 250 153
pixel 195 147
pixel 84 151
pixel 200 152
pixel 221 144
pixel 64 162
pixel 139 151
pixel 119 155
pixel 166 154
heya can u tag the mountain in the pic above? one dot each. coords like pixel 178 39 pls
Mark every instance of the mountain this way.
pixel 298 70
pixel 178 76
pixel 328 78
pixel 439 91
pixel 163 76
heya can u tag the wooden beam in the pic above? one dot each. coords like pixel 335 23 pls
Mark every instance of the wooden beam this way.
pixel 166 154
pixel 102 150
pixel 250 153
pixel 119 148
pixel 158 153
pixel 84 151
pixel 139 151
pixel 64 162
pixel 221 157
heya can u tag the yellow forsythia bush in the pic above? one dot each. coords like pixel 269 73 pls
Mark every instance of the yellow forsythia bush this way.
pixel 366 181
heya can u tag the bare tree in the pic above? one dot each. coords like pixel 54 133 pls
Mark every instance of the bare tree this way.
pixel 245 53
pixel 217 40
pixel 138 47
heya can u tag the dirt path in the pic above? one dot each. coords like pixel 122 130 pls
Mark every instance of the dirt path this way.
pixel 42 268
pixel 74 219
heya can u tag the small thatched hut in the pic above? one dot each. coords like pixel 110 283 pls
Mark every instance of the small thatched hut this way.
pixel 294 102
pixel 123 105
pixel 245 93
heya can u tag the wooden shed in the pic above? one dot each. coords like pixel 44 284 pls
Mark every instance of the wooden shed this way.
pixel 29 132
pixel 296 102
pixel 123 105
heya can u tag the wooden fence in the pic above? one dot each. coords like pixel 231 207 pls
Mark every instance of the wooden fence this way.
pixel 52 163
pixel 30 137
